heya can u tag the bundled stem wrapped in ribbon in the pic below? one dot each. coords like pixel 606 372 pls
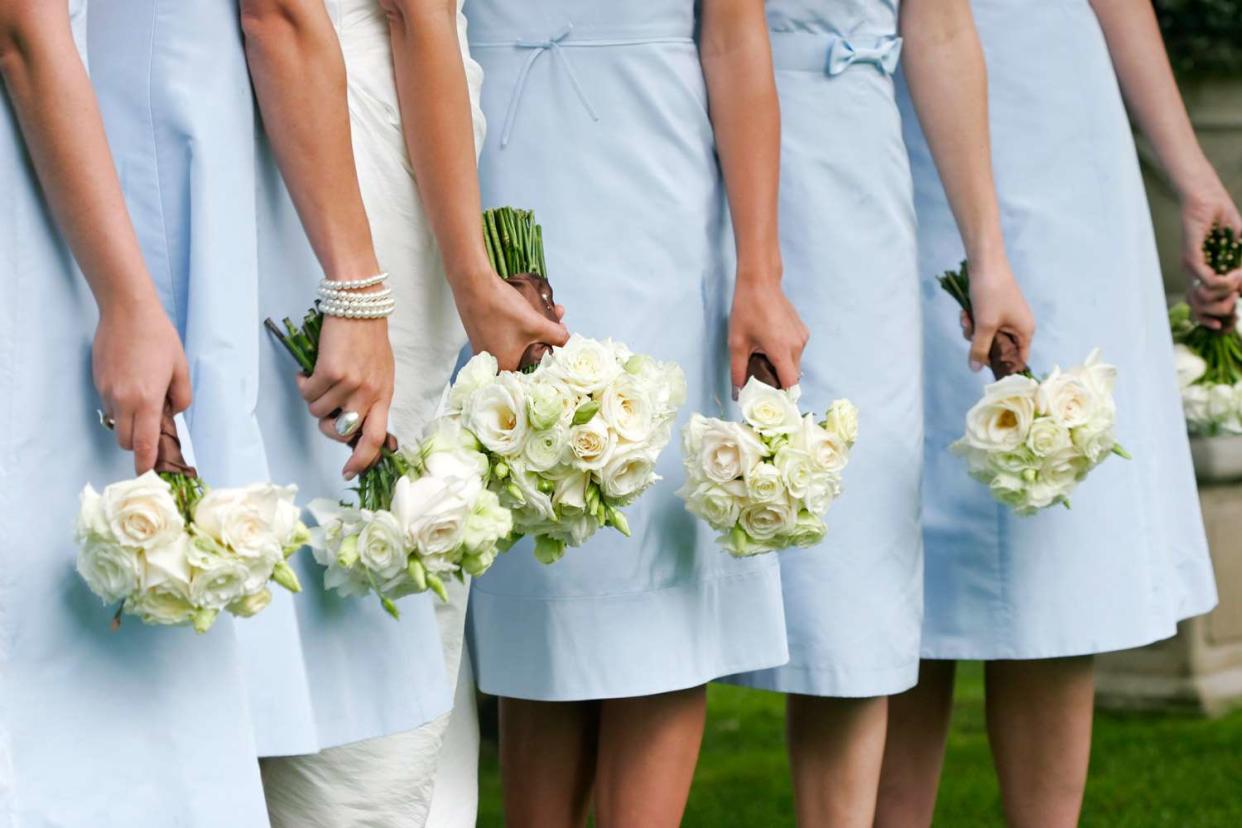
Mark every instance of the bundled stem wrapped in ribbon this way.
pixel 1033 440
pixel 767 482
pixel 1209 362
pixel 172 551
pixel 573 437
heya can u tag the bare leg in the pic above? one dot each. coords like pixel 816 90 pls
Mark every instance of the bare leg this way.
pixel 1039 724
pixel 836 748
pixel 648 747
pixel 918 725
pixel 547 762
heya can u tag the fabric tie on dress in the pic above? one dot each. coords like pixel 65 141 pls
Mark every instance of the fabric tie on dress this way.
pixel 883 52
pixel 538 47
pixel 833 54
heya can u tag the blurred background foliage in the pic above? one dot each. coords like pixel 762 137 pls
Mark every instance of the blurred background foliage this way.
pixel 1204 37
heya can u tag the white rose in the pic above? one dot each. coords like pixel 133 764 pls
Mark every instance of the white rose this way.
pixel 592 443
pixel 546 449
pixel 1047 437
pixel 381 544
pixel 445 434
pixel 1000 421
pixel 549 402
pixel 808 531
pixel 349 583
pixel 796 469
pixel 487 524
pixel 764 485
pixel 1189 365
pixel 142 512
pixel 1067 398
pixel 253 522
pixel 1195 404
pixel 1098 375
pixel 1010 490
pixel 828 452
pixel 167 603
pixel 626 406
pixel 91 517
pixel 112 571
pixel 219 586
pixel 769 411
pixel 478 373
pixel 1220 402
pixel 585 365
pixel 765 521
pixel 720 504
pixel 497 415
pixel 570 493
pixel 727 450
pixel 532 502
pixel 169 562
pixel 432 513
pixel 842 421
pixel 628 474
pixel 825 487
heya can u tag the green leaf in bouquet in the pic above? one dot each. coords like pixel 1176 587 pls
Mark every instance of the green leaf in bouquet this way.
pixel 586 412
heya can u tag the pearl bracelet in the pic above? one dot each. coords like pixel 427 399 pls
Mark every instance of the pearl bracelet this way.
pixel 352 311
pixel 356 284
pixel 354 297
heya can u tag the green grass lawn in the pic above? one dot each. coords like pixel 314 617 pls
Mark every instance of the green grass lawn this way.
pixel 1146 769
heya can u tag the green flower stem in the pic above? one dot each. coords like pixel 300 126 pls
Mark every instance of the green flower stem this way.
pixel 957 284
pixel 514 242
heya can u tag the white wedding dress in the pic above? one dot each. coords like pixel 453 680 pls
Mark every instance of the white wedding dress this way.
pixel 389 781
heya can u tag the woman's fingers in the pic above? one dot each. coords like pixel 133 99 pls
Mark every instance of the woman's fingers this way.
pixel 981 345
pixel 550 332
pixel 367 450
pixel 739 355
pixel 145 436
pixel 334 398
pixel 180 393
pixel 786 369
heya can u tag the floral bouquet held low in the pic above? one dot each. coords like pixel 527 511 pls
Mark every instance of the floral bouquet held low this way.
pixel 1032 440
pixel 766 483
pixel 574 437
pixel 1209 362
pixel 419 517
pixel 171 551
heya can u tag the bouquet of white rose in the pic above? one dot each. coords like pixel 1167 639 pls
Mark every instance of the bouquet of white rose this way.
pixel 173 552
pixel 1209 362
pixel 439 521
pixel 1030 440
pixel 572 442
pixel 766 483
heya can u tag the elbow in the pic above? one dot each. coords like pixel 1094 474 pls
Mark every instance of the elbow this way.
pixel 266 21
pixel 22 24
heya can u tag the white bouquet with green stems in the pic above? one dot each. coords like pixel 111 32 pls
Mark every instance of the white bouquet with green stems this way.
pixel 573 436
pixel 1032 440
pixel 1209 362
pixel 171 551
pixel 767 482
pixel 435 520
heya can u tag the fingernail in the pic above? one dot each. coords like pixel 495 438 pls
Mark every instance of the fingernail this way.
pixel 349 475
pixel 736 392
pixel 976 365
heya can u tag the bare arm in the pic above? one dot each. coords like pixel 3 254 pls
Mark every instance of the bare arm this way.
pixel 138 362
pixel 299 79
pixel 439 137
pixel 947 78
pixel 745 113
pixel 1151 91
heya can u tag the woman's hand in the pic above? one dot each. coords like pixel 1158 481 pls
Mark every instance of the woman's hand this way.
pixel 764 321
pixel 138 365
pixel 1212 296
pixel 500 321
pixel 354 373
pixel 999 307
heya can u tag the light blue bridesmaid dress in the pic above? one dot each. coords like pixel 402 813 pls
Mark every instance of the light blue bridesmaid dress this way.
pixel 600 125
pixel 1130 559
pixel 143 726
pixel 852 604
pixel 226 249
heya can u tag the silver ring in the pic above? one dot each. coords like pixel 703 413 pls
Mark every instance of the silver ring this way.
pixel 1198 282
pixel 347 423
pixel 106 421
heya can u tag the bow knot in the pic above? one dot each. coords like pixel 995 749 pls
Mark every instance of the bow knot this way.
pixel 538 47
pixel 883 52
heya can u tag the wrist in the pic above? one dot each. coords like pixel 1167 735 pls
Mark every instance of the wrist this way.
pixel 349 266
pixel 129 301
pixel 1193 176
pixel 762 273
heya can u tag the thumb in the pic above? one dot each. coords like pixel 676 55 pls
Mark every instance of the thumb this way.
pixel 179 391
pixel 552 333
pixel 981 346
pixel 738 358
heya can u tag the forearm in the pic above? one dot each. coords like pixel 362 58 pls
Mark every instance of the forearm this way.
pixel 439 132
pixel 737 65
pixel 1146 79
pixel 947 78
pixel 64 133
pixel 299 79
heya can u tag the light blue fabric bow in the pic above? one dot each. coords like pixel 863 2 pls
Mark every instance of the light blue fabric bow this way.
pixel 884 52
pixel 538 47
